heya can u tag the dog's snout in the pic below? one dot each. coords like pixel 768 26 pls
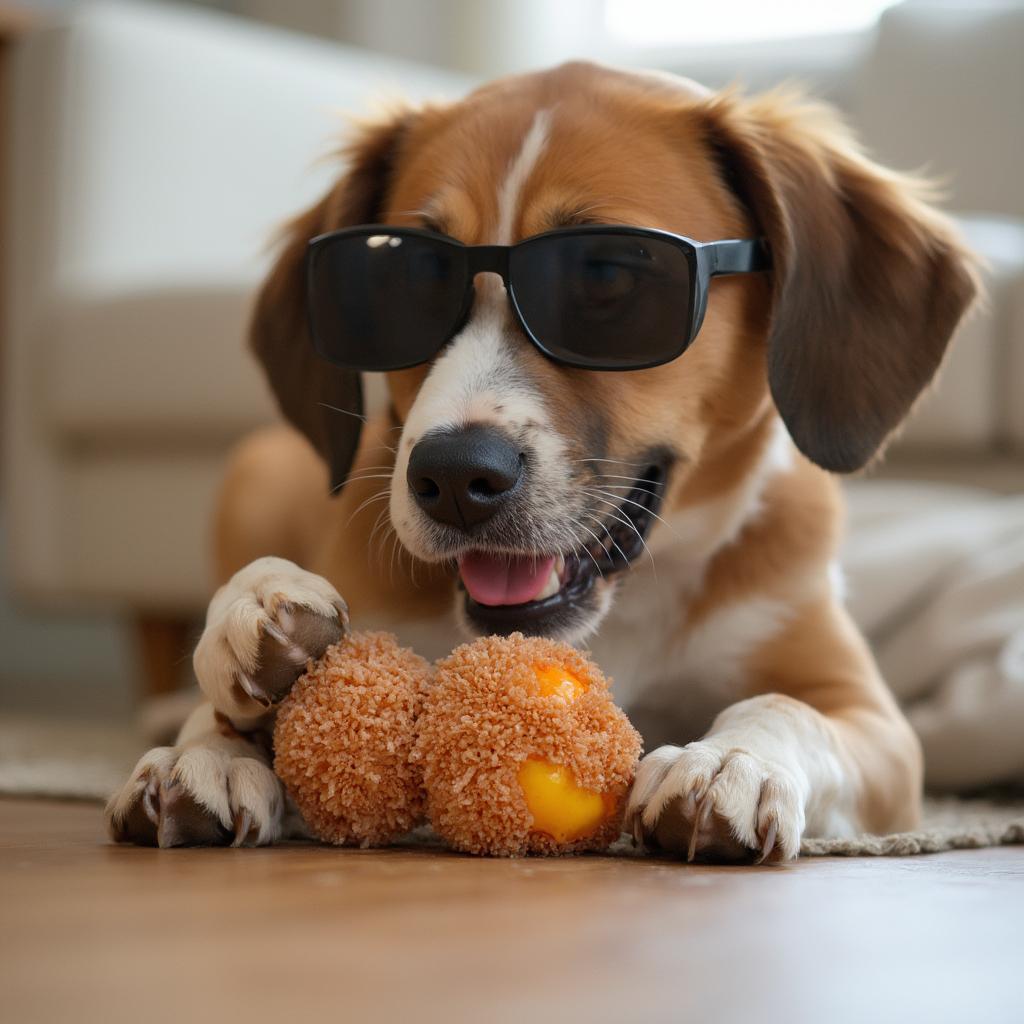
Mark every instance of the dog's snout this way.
pixel 462 477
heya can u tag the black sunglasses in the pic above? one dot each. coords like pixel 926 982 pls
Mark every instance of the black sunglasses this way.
pixel 597 297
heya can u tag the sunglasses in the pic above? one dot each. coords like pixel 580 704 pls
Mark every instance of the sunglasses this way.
pixel 597 297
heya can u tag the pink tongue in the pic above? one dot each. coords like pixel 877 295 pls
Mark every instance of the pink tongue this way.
pixel 502 579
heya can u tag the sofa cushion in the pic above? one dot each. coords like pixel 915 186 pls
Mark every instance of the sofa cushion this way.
pixel 152 367
pixel 164 369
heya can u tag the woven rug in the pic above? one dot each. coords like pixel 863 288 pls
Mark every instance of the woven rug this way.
pixel 42 757
pixel 73 760
pixel 949 823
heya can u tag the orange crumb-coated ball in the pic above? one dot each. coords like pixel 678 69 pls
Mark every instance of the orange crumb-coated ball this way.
pixel 343 740
pixel 523 750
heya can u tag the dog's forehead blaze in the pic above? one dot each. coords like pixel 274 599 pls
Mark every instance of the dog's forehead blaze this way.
pixel 614 151
pixel 609 152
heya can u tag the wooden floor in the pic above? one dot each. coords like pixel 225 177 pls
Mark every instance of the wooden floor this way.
pixel 97 932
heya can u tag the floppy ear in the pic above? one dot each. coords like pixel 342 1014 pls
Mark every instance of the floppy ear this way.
pixel 869 282
pixel 320 399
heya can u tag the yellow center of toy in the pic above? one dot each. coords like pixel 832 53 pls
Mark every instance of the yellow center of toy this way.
pixel 560 808
pixel 555 681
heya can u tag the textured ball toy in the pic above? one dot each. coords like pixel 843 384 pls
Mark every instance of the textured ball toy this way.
pixel 513 745
pixel 343 741
pixel 523 750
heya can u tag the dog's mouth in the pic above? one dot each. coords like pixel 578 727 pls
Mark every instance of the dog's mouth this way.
pixel 542 592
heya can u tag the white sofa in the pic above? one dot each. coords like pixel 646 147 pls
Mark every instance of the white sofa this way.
pixel 152 152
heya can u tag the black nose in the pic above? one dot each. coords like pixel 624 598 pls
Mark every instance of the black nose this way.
pixel 462 477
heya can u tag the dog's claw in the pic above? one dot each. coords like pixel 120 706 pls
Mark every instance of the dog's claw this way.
pixel 690 807
pixel 279 632
pixel 298 654
pixel 271 628
pixel 699 818
pixel 151 801
pixel 769 843
pixel 140 818
pixel 637 829
pixel 254 690
pixel 243 825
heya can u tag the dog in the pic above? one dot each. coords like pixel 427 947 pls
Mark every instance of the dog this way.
pixel 681 518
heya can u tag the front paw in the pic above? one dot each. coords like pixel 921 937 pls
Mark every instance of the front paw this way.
pixel 210 794
pixel 261 629
pixel 716 804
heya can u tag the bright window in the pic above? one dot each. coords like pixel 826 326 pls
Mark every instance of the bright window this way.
pixel 683 22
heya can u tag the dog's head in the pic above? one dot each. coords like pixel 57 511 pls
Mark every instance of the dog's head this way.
pixel 541 481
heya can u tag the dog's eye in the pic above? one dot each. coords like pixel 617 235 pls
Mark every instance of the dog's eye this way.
pixel 606 280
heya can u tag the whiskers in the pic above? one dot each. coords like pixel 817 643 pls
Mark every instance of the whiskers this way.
pixel 366 473
pixel 382 495
pixel 616 462
pixel 616 493
pixel 611 537
pixel 383 543
pixel 632 483
pixel 345 412
pixel 581 526
pixel 626 521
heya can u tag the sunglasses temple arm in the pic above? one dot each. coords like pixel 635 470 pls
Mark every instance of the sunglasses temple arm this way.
pixel 737 256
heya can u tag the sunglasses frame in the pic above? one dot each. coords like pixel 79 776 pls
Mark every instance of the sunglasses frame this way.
pixel 706 260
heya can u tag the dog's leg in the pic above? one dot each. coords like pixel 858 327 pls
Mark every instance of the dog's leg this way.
pixel 822 749
pixel 216 786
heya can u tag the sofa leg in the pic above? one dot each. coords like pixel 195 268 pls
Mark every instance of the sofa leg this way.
pixel 164 647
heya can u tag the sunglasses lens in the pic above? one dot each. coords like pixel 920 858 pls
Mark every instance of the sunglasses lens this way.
pixel 605 301
pixel 384 301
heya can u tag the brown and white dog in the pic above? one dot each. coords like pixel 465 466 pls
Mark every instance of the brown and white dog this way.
pixel 728 638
